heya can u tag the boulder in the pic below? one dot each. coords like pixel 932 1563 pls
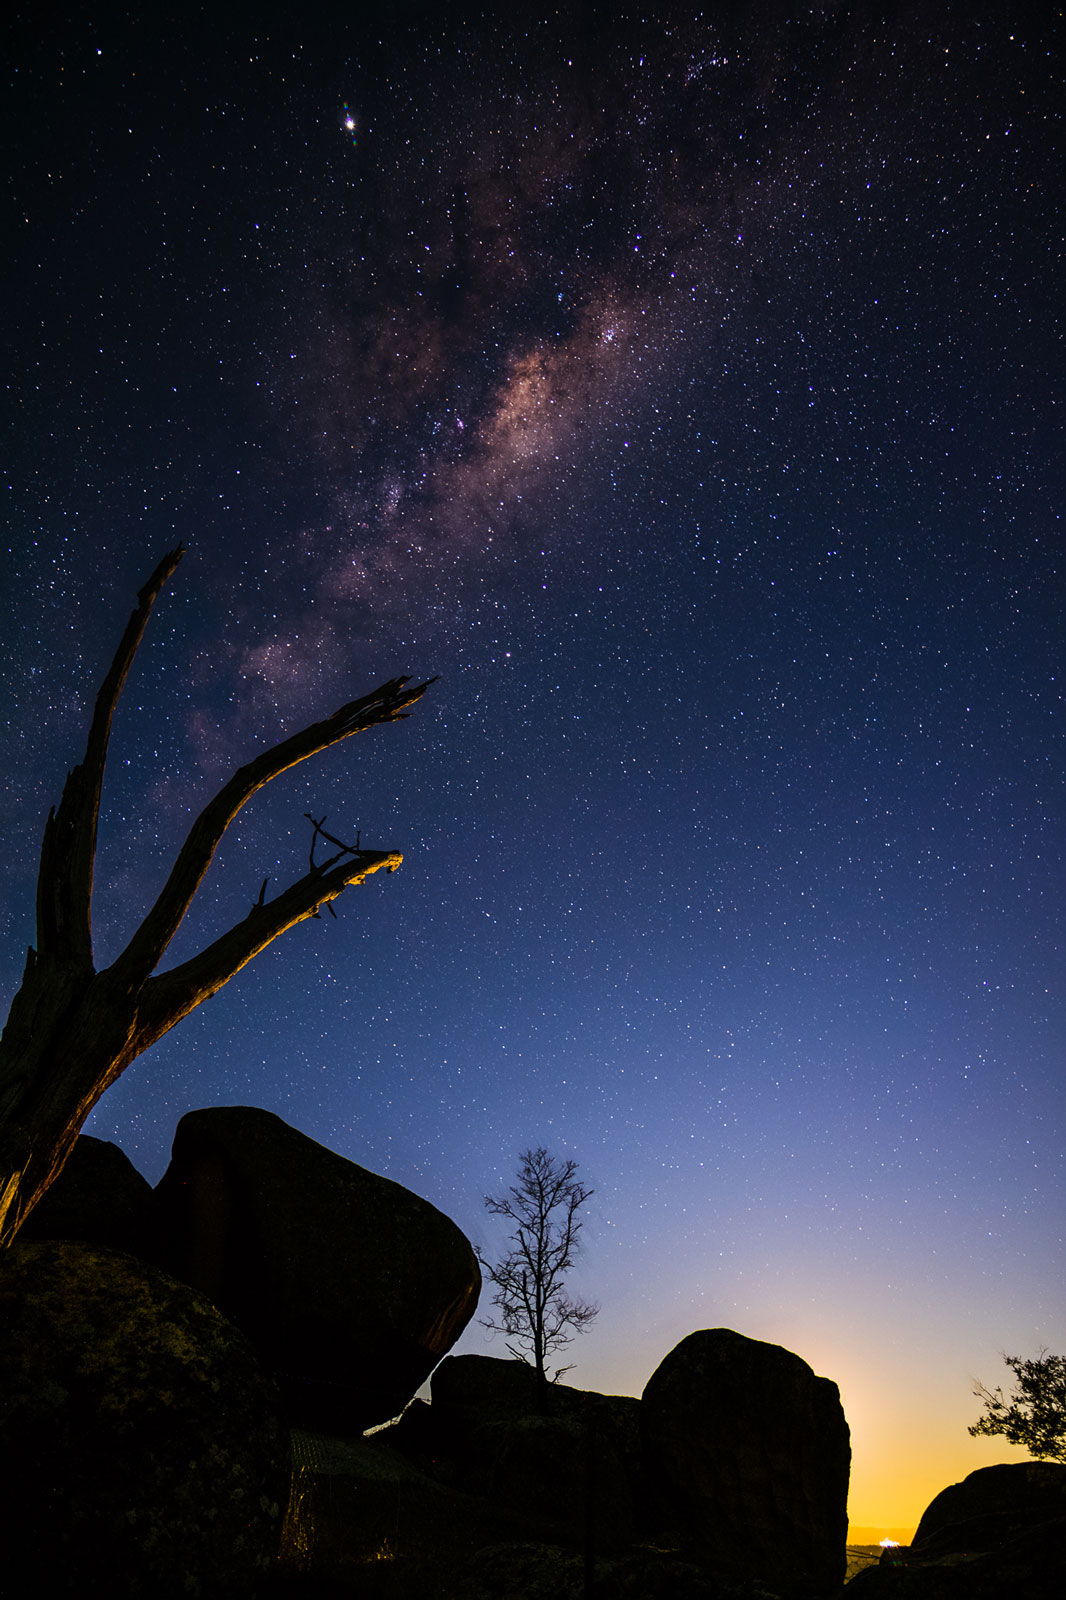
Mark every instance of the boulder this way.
pixel 521 1572
pixel 98 1197
pixel 746 1458
pixel 356 1503
pixel 144 1450
pixel 566 1459
pixel 999 1532
pixel 1028 1567
pixel 532 1571
pixel 350 1286
pixel 363 1519
pixel 489 1386
pixel 991 1506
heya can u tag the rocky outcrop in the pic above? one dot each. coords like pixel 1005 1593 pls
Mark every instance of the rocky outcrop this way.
pixel 350 1286
pixel 747 1458
pixel 990 1506
pixel 999 1532
pixel 493 1485
pixel 485 1386
pixel 362 1511
pixel 141 1435
pixel 567 1459
pixel 525 1571
pixel 99 1198
pixel 357 1502
pixel 503 1487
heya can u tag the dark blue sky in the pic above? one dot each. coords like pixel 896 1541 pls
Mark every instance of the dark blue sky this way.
pixel 682 392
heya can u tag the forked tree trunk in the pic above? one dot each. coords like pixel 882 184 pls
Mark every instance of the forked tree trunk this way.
pixel 72 1030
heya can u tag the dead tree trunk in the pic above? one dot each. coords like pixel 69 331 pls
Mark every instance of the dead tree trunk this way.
pixel 72 1030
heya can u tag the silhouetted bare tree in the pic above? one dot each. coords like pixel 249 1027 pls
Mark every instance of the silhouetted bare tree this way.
pixel 534 1308
pixel 72 1030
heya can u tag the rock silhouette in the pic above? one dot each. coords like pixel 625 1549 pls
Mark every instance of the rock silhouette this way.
pixel 565 1456
pixel 498 1489
pixel 991 1504
pixel 1000 1532
pixel 747 1456
pixel 147 1453
pixel 350 1286
pixel 99 1198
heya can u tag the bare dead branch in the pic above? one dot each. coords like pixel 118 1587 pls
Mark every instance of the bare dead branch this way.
pixel 169 996
pixel 68 853
pixel 342 848
pixel 145 950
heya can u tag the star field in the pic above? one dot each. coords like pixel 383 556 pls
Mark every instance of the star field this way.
pixel 681 391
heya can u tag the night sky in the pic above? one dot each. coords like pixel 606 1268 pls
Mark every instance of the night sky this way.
pixel 682 392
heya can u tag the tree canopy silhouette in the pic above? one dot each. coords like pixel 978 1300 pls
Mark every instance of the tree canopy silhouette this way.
pixel 71 1030
pixel 1034 1413
pixel 534 1309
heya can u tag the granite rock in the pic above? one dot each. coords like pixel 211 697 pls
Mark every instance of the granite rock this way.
pixel 746 1461
pixel 140 1434
pixel 350 1286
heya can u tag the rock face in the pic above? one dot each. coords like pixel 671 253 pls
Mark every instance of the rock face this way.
pixel 491 1490
pixel 350 1286
pixel 565 1458
pixel 747 1458
pixel 141 1436
pixel 357 1503
pixel 99 1197
pixel 498 1489
pixel 488 1387
pixel 990 1506
pixel 999 1532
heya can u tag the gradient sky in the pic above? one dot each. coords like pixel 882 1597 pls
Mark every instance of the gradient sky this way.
pixel 681 391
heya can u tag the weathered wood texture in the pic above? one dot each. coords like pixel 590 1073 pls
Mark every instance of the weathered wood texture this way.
pixel 72 1030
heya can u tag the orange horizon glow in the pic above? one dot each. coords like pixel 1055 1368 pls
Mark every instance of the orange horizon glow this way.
pixel 906 1389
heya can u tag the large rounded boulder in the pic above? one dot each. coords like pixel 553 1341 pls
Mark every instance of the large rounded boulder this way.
pixel 991 1506
pixel 1000 1532
pixel 747 1457
pixel 567 1459
pixel 100 1198
pixel 350 1286
pixel 141 1438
